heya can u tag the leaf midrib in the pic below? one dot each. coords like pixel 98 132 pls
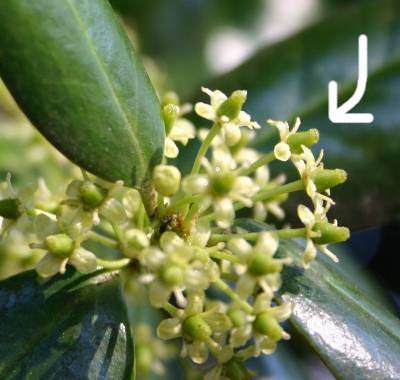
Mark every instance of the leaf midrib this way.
pixel 103 71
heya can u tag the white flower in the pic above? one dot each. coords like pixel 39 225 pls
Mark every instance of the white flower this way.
pixel 263 325
pixel 282 149
pixel 63 246
pixel 230 126
pixel 176 267
pixel 258 264
pixel 221 186
pixel 197 326
pixel 180 129
pixel 309 219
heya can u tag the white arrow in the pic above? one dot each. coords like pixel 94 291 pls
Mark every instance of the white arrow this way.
pixel 340 114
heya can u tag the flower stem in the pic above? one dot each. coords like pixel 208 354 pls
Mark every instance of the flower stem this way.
pixel 264 195
pixel 104 240
pixel 264 160
pixel 170 309
pixel 113 264
pixel 204 147
pixel 284 233
pixel 221 255
pixel 235 297
pixel 175 206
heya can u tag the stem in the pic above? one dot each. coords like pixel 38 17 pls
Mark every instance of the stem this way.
pixel 175 206
pixel 266 159
pixel 229 276
pixel 117 231
pixel 283 189
pixel 170 309
pixel 264 195
pixel 113 264
pixel 204 147
pixel 221 255
pixel 284 233
pixel 231 294
pixel 192 212
pixel 104 240
pixel 161 206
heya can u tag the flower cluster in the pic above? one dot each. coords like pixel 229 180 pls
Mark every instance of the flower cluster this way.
pixel 186 253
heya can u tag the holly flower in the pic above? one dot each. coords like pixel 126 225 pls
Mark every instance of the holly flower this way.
pixel 62 242
pixel 197 325
pixel 220 186
pixel 228 112
pixel 258 264
pixel 282 149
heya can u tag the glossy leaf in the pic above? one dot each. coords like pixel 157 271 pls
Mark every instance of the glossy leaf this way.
pixel 291 78
pixel 68 327
pixel 354 334
pixel 72 70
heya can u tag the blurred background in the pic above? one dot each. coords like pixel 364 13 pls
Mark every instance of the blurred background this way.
pixel 284 52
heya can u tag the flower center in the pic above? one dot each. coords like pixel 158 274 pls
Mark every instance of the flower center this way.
pixel 221 184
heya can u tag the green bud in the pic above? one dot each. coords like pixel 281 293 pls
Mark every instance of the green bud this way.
pixel 234 369
pixel 60 245
pixel 260 264
pixel 170 113
pixel 237 316
pixel 172 274
pixel 166 179
pixel 144 358
pixel 170 97
pixel 307 138
pixel 196 328
pixel 328 178
pixel 10 208
pixel 232 106
pixel 221 184
pixel 92 195
pixel 267 325
pixel 330 233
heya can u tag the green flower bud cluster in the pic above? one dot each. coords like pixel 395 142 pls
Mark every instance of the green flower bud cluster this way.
pixel 183 242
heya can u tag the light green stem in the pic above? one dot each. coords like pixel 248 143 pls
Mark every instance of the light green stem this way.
pixel 221 255
pixel 204 147
pixel 284 233
pixel 264 160
pixel 170 309
pixel 175 206
pixel 104 240
pixel 235 297
pixel 113 264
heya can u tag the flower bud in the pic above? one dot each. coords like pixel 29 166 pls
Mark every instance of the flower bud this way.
pixel 91 194
pixel 170 97
pixel 10 208
pixel 330 233
pixel 306 138
pixel 232 106
pixel 144 358
pixel 170 113
pixel 267 325
pixel 196 328
pixel 260 264
pixel 136 241
pixel 166 179
pixel 172 274
pixel 328 178
pixel 234 369
pixel 60 245
pixel 113 210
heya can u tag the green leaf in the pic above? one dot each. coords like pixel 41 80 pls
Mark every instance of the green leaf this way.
pixel 72 70
pixel 354 335
pixel 291 79
pixel 68 327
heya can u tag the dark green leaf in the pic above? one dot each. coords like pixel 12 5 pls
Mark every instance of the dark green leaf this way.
pixel 68 327
pixel 291 78
pixel 355 336
pixel 73 72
